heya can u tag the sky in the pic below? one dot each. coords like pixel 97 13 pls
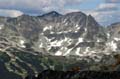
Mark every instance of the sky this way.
pixel 105 12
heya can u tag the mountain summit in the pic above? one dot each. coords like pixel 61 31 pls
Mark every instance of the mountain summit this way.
pixel 52 13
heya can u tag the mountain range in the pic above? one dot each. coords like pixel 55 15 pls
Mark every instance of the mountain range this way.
pixel 30 44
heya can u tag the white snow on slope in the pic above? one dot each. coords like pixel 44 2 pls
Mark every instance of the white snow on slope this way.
pixel 80 40
pixel 58 53
pixel 108 35
pixel 22 43
pixel 78 51
pixel 41 45
pixel 112 45
pixel 117 39
pixel 1 26
pixel 47 28
pixel 67 52
pixel 76 25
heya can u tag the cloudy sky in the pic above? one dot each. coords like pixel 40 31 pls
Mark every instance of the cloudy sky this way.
pixel 104 11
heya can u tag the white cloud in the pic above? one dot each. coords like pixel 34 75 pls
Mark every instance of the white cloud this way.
pixel 112 1
pixel 105 17
pixel 106 13
pixel 65 11
pixel 107 6
pixel 10 13
pixel 37 6
pixel 102 13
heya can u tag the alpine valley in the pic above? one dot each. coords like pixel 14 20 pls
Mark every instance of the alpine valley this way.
pixel 31 44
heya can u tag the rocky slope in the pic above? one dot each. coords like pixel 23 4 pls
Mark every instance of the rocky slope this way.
pixel 30 44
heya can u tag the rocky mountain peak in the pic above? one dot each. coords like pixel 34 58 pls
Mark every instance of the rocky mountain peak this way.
pixel 51 14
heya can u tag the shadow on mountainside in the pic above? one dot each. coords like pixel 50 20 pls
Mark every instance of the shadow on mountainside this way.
pixel 50 74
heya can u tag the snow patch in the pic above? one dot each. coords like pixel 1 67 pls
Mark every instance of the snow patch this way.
pixel 68 51
pixel 64 20
pixel 47 28
pixel 50 27
pixel 112 45
pixel 65 31
pixel 41 45
pixel 78 28
pixel 51 32
pixel 80 40
pixel 22 42
pixel 66 39
pixel 85 29
pixel 108 35
pixel 76 25
pixel 1 26
pixel 69 41
pixel 58 53
pixel 76 31
pixel 78 51
pixel 59 32
pixel 98 40
pixel 117 39
pixel 69 30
